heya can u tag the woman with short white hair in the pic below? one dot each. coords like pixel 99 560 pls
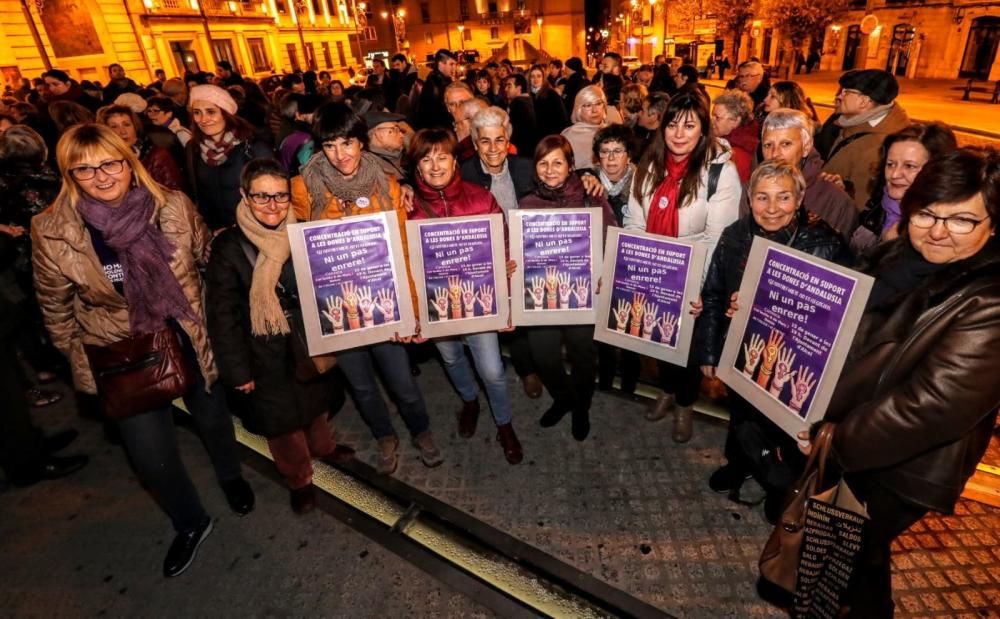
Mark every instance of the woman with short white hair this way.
pixel 590 113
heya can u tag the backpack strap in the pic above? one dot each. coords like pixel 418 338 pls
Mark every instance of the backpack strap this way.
pixel 714 171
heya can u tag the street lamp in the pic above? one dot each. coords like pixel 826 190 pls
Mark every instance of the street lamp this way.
pixel 461 36
pixel 539 22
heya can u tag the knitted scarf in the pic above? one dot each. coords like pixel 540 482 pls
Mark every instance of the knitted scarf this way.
pixel 369 181
pixel 664 214
pixel 893 211
pixel 616 187
pixel 860 119
pixel 273 250
pixel 216 152
pixel 151 290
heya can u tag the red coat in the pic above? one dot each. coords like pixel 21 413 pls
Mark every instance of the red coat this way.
pixel 744 140
pixel 457 199
pixel 161 166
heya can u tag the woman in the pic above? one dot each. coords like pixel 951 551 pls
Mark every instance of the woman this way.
pixel 904 154
pixel 630 103
pixel 483 87
pixel 789 94
pixel 916 404
pixel 256 327
pixel 559 187
pixel 590 113
pixel 732 119
pixel 550 111
pixel 672 195
pixel 440 192
pixel 117 255
pixel 156 159
pixel 342 180
pixel 221 144
pixel 614 151
pixel 777 191
pixel 162 112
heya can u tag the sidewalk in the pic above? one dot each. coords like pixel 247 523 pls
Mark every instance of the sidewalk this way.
pixel 923 99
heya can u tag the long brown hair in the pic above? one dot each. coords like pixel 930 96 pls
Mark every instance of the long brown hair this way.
pixel 653 165
pixel 241 129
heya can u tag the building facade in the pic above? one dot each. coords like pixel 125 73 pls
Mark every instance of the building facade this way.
pixel 258 38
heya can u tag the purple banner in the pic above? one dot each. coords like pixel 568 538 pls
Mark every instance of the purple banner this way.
pixel 796 315
pixel 352 275
pixel 647 292
pixel 458 269
pixel 557 261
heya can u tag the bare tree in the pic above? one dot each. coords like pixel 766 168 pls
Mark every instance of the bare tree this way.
pixel 732 16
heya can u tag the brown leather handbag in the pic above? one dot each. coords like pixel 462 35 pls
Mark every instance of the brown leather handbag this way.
pixel 779 561
pixel 140 373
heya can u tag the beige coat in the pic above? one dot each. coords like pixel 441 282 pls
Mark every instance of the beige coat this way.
pixel 78 301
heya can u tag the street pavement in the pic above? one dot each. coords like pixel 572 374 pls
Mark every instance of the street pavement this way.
pixel 627 506
pixel 923 99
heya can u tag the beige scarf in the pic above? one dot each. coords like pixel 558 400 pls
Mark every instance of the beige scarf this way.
pixel 266 315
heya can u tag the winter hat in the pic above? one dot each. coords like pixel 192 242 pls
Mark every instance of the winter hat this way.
pixel 576 64
pixel 879 85
pixel 214 95
pixel 132 101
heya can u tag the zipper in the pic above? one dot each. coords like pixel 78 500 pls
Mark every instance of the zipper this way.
pixel 141 363
pixel 445 201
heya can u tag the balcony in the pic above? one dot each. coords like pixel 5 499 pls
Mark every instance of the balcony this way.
pixel 212 7
pixel 496 18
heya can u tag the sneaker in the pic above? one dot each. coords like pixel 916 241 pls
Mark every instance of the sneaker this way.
pixel 430 455
pixel 184 549
pixel 239 495
pixel 727 479
pixel 661 408
pixel 388 457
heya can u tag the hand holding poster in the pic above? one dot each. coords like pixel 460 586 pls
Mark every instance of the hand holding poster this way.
pixel 786 345
pixel 460 273
pixel 649 282
pixel 558 254
pixel 352 282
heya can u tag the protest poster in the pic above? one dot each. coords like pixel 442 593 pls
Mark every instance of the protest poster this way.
pixel 786 345
pixel 647 287
pixel 353 287
pixel 558 255
pixel 460 271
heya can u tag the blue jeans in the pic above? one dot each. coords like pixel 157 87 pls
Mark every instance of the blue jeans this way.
pixel 485 349
pixel 151 443
pixel 359 366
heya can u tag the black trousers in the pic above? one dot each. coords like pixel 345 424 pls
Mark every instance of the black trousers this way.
pixel 21 451
pixel 682 382
pixel 608 363
pixel 520 351
pixel 577 389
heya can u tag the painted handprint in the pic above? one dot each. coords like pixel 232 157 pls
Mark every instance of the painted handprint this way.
pixel 455 294
pixel 537 291
pixel 802 386
pixel 440 304
pixel 638 307
pixel 581 291
pixel 774 345
pixel 551 287
pixel 783 371
pixel 349 290
pixel 649 319
pixel 386 304
pixel 335 313
pixel 565 289
pixel 469 299
pixel 667 324
pixel 367 305
pixel 752 352
pixel 485 299
pixel 621 314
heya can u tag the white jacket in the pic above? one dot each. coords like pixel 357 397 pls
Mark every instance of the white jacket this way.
pixel 701 220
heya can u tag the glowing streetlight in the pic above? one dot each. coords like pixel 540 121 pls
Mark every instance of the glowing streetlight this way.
pixel 539 22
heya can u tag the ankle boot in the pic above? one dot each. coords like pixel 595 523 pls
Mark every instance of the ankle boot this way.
pixel 683 424
pixel 581 424
pixel 468 417
pixel 554 415
pixel 508 441
pixel 661 408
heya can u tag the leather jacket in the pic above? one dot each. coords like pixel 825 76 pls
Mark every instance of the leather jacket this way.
pixel 808 233
pixel 916 404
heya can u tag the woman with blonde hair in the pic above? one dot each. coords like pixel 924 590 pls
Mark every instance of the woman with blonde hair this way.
pixel 116 262
pixel 590 113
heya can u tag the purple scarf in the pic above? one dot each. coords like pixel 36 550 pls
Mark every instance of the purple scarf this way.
pixel 893 212
pixel 151 290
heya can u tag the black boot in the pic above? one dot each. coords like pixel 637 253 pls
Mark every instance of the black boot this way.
pixel 554 415
pixel 581 424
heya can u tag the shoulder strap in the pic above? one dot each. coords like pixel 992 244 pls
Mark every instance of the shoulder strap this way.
pixel 845 142
pixel 251 254
pixel 714 171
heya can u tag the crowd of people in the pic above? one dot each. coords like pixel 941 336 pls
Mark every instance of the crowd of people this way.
pixel 132 210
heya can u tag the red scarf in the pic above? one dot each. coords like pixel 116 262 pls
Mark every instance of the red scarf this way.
pixel 664 217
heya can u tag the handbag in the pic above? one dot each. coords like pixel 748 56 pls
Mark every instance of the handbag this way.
pixel 140 373
pixel 827 525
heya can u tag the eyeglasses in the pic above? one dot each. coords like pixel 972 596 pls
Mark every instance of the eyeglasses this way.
pixel 850 91
pixel 955 225
pixel 391 130
pixel 153 110
pixel 263 199
pixel 746 76
pixel 611 152
pixel 87 172
pixel 599 105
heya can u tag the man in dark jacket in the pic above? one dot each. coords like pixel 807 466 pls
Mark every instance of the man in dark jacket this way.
pixel 787 136
pixel 402 77
pixel 522 114
pixel 431 111
pixel 609 77
pixel 118 84
pixel 753 80
pixel 576 79
pixel 226 75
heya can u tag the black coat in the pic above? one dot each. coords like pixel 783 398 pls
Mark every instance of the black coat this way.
pixel 216 190
pixel 431 110
pixel 522 118
pixel 522 172
pixel 279 403
pixel 550 114
pixel 574 84
pixel 810 234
